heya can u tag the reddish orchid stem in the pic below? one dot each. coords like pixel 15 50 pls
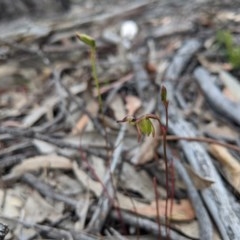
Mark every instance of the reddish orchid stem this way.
pixel 166 112
pixel 172 187
pixel 164 130
pixel 167 177
pixel 164 138
pixel 157 207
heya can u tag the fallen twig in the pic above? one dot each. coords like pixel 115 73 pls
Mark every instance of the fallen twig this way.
pixel 54 233
pixel 24 133
pixel 180 60
pixel 216 99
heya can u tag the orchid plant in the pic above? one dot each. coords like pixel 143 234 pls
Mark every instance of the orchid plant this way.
pixel 144 126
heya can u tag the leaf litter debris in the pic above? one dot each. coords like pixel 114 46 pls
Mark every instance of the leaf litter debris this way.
pixel 69 171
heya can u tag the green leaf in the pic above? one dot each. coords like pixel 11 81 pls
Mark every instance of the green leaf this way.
pixel 234 57
pixel 87 40
pixel 146 127
pixel 225 38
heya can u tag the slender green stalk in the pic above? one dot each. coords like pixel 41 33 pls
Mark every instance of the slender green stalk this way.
pixel 92 44
pixel 95 77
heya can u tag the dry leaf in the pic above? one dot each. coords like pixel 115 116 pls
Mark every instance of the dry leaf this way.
pixel 228 15
pixel 11 123
pixel 228 94
pixel 99 166
pixel 90 184
pixel 82 212
pixel 161 69
pixel 137 181
pixel 92 108
pixel 182 211
pixel 67 185
pixel 212 67
pixel 44 147
pixel 14 100
pixel 5 71
pixel 116 84
pixel 132 104
pixel 93 139
pixel 36 113
pixel 34 116
pixel 37 209
pixel 221 131
pixel 231 166
pixel 78 88
pixel 199 182
pixel 109 122
pixel 191 229
pixel 11 204
pixel 41 162
pixel 232 85
pixel 81 124
pixel 225 158
pixel 118 107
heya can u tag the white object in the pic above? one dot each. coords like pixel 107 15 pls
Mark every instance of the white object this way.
pixel 129 30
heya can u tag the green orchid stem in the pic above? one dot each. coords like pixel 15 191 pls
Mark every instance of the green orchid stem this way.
pixel 86 39
pixel 94 74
